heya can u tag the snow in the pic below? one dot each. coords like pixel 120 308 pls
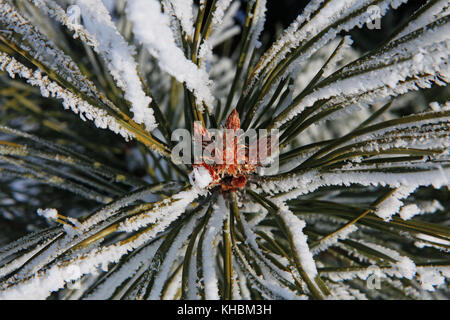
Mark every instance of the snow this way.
pixel 70 101
pixel 57 272
pixel 109 4
pixel 245 293
pixel 303 183
pixel 74 14
pixel 435 242
pixel 236 294
pixel 219 12
pixel 295 227
pixel 393 203
pixel 409 211
pixel 200 177
pixel 227 27
pixel 436 10
pixel 341 51
pixel 270 271
pixel 267 287
pixel 259 18
pixel 205 53
pixel 430 206
pixel 162 212
pixel 342 291
pixel 27 242
pixel 407 63
pixel 18 262
pixel 288 35
pixel 112 208
pixel 362 77
pixel 184 12
pixel 341 235
pixel 48 213
pixel 403 267
pixel 213 228
pixel 41 48
pixel 149 23
pixel 193 284
pixel 119 57
pixel 422 207
pixel 406 267
pixel 163 270
pixel 38 285
pixel 70 19
pixel 320 16
pixel 430 278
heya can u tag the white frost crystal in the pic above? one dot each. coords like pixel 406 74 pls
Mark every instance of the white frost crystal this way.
pixel 48 213
pixel 200 177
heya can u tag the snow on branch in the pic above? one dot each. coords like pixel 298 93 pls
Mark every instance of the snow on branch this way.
pixel 164 269
pixel 227 27
pixel 151 27
pixel 71 19
pixel 41 48
pixel 393 203
pixel 126 270
pixel 268 287
pixel 403 267
pixel 27 242
pixel 206 47
pixel 119 57
pixel 165 210
pixel 431 11
pixel 70 101
pixel 432 277
pixel 184 11
pixel 328 242
pixel 303 183
pixel 295 227
pixel 279 48
pixel 270 271
pixel 41 282
pixel 105 213
pixel 399 267
pixel 19 261
pixel 214 226
pixel 422 207
pixel 259 18
pixel 89 228
pixel 322 20
pixel 379 76
pixel 52 245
